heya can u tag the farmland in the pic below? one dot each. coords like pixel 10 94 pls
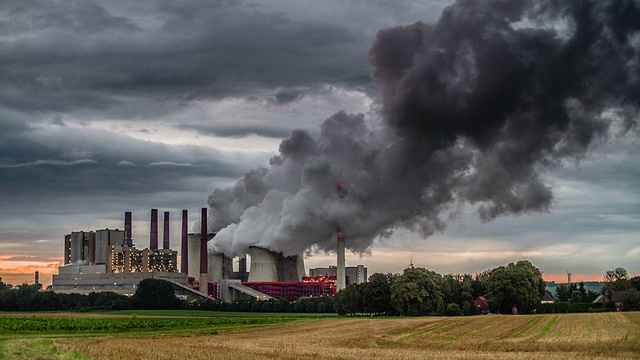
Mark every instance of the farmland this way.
pixel 577 336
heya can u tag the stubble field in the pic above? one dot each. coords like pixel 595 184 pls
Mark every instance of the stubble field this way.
pixel 564 336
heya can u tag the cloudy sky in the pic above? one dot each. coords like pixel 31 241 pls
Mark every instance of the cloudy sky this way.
pixel 114 106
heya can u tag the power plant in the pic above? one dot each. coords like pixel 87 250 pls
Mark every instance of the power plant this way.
pixel 107 260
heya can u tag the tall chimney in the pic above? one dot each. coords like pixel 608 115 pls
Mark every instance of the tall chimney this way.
pixel 184 260
pixel 242 267
pixel 128 238
pixel 165 234
pixel 153 236
pixel 204 265
pixel 340 271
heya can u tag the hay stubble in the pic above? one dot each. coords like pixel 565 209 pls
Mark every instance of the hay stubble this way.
pixel 567 336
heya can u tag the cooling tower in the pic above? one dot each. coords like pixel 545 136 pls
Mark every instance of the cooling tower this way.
pixel 288 268
pixel 220 267
pixel 268 266
pixel 300 267
pixel 263 265
pixel 184 252
pixel 193 254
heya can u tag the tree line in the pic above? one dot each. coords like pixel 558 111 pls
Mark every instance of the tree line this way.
pixel 419 291
pixel 151 294
pixel 515 287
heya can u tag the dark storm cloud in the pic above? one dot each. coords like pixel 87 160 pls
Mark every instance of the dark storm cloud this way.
pixel 475 106
pixel 80 55
pixel 286 96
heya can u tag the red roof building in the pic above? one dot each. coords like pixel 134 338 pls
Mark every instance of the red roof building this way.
pixel 481 304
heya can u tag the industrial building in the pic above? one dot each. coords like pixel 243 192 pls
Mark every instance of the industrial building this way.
pixel 354 274
pixel 107 260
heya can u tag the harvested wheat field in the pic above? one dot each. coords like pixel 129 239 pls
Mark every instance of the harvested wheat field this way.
pixel 565 336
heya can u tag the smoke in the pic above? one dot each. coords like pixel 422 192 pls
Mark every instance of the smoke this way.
pixel 473 108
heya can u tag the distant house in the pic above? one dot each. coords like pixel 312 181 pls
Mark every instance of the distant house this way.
pixel 616 297
pixel 601 299
pixel 481 304
pixel 547 299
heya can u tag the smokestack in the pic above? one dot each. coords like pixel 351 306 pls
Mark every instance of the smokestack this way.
pixel 153 235
pixel 242 267
pixel 165 234
pixel 128 238
pixel 340 273
pixel 204 267
pixel 37 277
pixel 184 262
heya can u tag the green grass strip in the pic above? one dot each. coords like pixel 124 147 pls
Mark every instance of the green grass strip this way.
pixel 525 328
pixel 12 325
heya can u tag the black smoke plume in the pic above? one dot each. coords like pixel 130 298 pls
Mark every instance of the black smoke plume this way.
pixel 473 108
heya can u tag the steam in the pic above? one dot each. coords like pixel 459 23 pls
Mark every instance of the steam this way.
pixel 473 107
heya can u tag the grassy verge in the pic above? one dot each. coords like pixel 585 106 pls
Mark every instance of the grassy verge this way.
pixel 201 313
pixel 41 348
pixel 37 336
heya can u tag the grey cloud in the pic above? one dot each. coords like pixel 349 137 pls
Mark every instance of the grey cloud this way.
pixel 286 96
pixel 474 109
pixel 203 50
pixel 239 130
pixel 69 16
pixel 87 161
pixel 49 162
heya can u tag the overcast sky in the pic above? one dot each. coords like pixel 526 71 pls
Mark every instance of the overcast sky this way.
pixel 114 106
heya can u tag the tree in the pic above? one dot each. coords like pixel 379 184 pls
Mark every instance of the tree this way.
pixel 4 286
pixel 517 284
pixel 440 309
pixel 563 293
pixel 348 300
pixel 634 282
pixel 155 294
pixel 451 289
pixel 416 291
pixel 376 294
pixel 583 293
pixel 616 280
pixel 631 300
pixel 479 285
pixel 576 296
pixel 453 310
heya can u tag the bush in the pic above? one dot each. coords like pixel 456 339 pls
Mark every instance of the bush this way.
pixel 453 310
pixel 566 307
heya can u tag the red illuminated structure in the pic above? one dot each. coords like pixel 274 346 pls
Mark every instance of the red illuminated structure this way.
pixel 309 287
